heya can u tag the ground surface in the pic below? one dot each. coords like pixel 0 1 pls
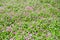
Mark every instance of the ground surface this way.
pixel 29 19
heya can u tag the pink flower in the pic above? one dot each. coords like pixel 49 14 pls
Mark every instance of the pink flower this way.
pixel 48 34
pixel 9 29
pixel 11 39
pixel 29 8
pixel 30 35
pixel 14 32
pixel 26 38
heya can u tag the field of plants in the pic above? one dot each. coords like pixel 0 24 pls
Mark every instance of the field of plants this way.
pixel 29 19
